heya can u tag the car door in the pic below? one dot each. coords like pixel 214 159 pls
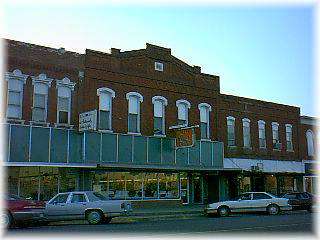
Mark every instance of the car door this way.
pixel 260 201
pixel 77 205
pixel 56 208
pixel 243 204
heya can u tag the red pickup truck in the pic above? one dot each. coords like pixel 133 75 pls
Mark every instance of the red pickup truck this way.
pixel 17 210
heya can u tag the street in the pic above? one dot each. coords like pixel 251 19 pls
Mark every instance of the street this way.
pixel 292 222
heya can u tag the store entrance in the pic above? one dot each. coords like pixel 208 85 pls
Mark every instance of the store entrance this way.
pixel 258 183
pixel 213 188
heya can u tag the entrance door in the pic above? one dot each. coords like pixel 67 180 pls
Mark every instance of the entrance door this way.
pixel 197 189
pixel 258 183
pixel 213 188
pixel 184 188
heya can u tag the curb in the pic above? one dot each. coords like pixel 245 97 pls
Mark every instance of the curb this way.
pixel 135 218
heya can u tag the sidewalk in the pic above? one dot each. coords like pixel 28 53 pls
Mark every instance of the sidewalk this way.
pixel 145 214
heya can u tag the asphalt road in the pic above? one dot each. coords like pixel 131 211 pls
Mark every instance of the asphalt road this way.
pixel 299 222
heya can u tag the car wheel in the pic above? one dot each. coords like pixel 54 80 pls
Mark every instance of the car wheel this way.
pixel 107 220
pixel 223 211
pixel 94 217
pixel 7 219
pixel 273 209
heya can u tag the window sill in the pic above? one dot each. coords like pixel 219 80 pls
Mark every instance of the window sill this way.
pixel 159 135
pixel 14 120
pixel 291 151
pixel 63 125
pixel 247 148
pixel 36 123
pixel 105 131
pixel 263 148
pixel 134 133
pixel 205 139
pixel 277 150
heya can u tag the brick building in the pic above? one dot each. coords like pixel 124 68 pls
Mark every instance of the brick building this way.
pixel 134 98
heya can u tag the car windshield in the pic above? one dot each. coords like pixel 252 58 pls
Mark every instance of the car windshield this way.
pixel 15 197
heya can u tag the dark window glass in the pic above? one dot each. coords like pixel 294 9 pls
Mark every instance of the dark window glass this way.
pixel 63 117
pixel 257 196
pixel 61 198
pixel 157 125
pixel 104 120
pixel 78 198
pixel 133 123
pixel 306 195
pixel 290 196
pixel 204 130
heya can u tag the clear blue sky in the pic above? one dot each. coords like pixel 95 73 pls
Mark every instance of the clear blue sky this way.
pixel 262 52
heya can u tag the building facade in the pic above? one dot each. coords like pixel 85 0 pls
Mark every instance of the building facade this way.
pixel 131 99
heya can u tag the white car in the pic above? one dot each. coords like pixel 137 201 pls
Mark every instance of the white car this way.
pixel 89 205
pixel 250 202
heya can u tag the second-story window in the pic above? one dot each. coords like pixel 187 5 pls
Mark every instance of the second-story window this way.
pixel 275 136
pixel 262 134
pixel 246 133
pixel 204 109
pixel 105 108
pixel 158 66
pixel 16 81
pixel 310 142
pixel 134 100
pixel 65 87
pixel 231 131
pixel 40 97
pixel 289 137
pixel 183 109
pixel 159 104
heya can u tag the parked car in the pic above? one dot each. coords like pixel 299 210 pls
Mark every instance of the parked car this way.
pixel 18 210
pixel 92 206
pixel 249 202
pixel 300 200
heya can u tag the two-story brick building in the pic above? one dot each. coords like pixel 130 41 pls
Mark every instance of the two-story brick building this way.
pixel 134 98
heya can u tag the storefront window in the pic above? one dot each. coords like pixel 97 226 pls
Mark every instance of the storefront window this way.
pixel 168 185
pixel 117 186
pixel 134 185
pixel 29 187
pixel 150 185
pixel 286 184
pixel 271 184
pixel 184 190
pixel 245 185
pixel 67 179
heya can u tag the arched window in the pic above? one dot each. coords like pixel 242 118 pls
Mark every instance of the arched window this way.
pixel 105 108
pixel 40 97
pixel 16 81
pixel 205 110
pixel 231 131
pixel 65 88
pixel 246 132
pixel 275 136
pixel 159 104
pixel 183 108
pixel 262 134
pixel 289 137
pixel 310 142
pixel 134 100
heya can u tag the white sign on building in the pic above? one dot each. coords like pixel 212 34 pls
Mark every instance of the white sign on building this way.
pixel 88 120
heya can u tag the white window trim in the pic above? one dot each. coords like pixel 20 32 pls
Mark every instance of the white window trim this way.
pixel 262 123
pixel 165 103
pixel 41 78
pixel 140 98
pixel 246 120
pixel 65 82
pixel 289 126
pixel 186 103
pixel 106 90
pixel 16 75
pixel 313 142
pixel 208 107
pixel 233 119
pixel 158 69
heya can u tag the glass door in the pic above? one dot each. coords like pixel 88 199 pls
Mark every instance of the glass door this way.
pixel 184 188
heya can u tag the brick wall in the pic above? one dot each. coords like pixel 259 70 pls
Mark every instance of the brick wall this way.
pixel 133 71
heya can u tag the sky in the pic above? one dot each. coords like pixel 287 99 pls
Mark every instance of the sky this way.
pixel 264 52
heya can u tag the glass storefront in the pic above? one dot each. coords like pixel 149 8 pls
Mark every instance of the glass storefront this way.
pixel 271 184
pixel 42 183
pixel 245 184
